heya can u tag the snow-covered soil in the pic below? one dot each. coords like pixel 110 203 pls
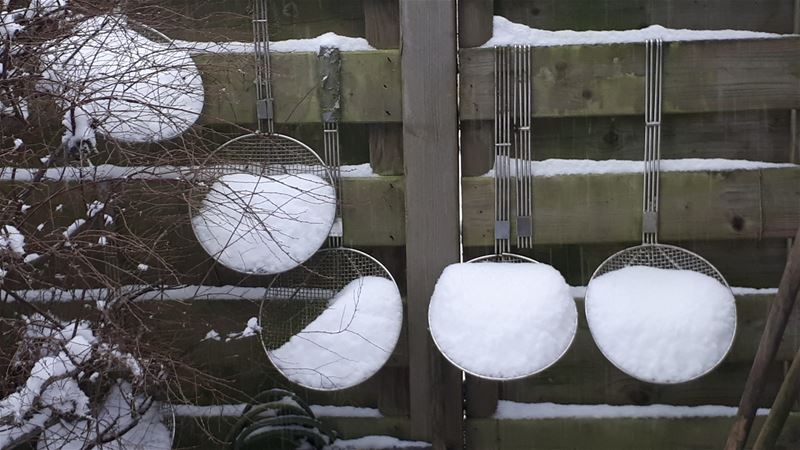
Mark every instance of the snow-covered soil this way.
pixel 502 320
pixel 349 341
pixel 265 225
pixel 661 325
pixel 506 32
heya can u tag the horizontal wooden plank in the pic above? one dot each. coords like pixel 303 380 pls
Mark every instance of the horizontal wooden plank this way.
pixel 603 80
pixel 230 20
pixel 568 209
pixel 589 80
pixel 370 87
pixel 582 376
pixel 206 433
pixel 767 15
pixel 694 206
pixel 753 135
pixel 703 433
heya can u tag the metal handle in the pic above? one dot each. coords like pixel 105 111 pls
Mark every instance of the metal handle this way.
pixel 264 103
pixel 654 57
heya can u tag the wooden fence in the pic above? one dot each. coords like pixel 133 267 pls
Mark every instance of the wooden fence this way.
pixel 722 99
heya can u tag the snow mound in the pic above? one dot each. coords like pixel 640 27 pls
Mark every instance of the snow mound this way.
pixel 132 88
pixel 376 443
pixel 140 431
pixel 265 225
pixel 506 32
pixel 349 341
pixel 661 325
pixel 502 320
pixel 330 39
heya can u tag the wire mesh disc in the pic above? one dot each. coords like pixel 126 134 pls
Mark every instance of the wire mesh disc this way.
pixel 262 203
pixel 503 258
pixel 333 322
pixel 501 326
pixel 661 313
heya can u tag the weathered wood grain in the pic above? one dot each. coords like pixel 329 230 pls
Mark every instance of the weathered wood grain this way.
pixel 430 140
pixel 695 433
pixel 382 22
pixel 753 135
pixel 230 20
pixel 604 80
pixel 590 80
pixel 370 87
pixel 772 15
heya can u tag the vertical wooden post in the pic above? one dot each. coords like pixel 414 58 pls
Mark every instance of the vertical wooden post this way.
pixel 475 21
pixel 382 30
pixel 430 140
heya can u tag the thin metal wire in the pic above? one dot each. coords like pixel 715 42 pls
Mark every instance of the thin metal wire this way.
pixel 263 63
pixel 333 158
pixel 502 147
pixel 652 147
pixel 522 151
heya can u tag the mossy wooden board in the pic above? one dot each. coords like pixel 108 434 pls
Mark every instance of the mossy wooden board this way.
pixel 583 80
pixel 696 433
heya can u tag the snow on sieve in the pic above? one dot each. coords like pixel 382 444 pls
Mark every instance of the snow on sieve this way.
pixel 513 410
pixel 133 89
pixel 265 225
pixel 349 341
pixel 661 325
pixel 505 32
pixel 145 429
pixel 502 320
pixel 343 43
pixel 558 167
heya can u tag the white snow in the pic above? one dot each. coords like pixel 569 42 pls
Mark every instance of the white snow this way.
pixel 661 325
pixel 142 267
pixel 79 135
pixel 212 335
pixel 506 32
pixel 558 167
pixel 132 88
pixel 523 309
pixel 251 329
pixel 228 410
pixel 11 239
pixel 119 411
pixel 73 228
pixel 111 172
pixel 349 341
pixel 344 411
pixel 93 208
pixel 513 410
pixel 265 225
pixel 375 443
pixel 343 43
